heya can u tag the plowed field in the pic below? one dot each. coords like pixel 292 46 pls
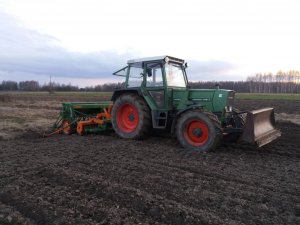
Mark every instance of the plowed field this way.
pixel 102 179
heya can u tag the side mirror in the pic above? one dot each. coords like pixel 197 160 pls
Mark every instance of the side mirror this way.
pixel 186 65
pixel 149 72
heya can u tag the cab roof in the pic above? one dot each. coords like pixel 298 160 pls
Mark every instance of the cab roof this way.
pixel 156 58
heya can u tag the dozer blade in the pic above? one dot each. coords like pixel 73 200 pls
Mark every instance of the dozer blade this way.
pixel 259 128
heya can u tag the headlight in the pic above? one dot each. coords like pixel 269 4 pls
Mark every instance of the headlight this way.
pixel 228 109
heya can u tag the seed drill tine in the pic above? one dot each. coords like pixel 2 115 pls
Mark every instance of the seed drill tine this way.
pixel 260 127
pixel 59 128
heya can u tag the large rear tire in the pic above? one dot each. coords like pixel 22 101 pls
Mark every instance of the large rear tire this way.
pixel 199 130
pixel 131 117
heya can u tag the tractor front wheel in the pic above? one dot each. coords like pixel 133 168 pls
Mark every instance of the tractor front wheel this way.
pixel 131 117
pixel 198 130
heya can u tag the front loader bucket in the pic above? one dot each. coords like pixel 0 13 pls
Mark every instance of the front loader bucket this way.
pixel 259 128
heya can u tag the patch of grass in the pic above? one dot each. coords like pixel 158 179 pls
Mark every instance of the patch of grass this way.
pixel 91 94
pixel 45 93
pixel 42 94
pixel 34 97
pixel 263 96
pixel 6 98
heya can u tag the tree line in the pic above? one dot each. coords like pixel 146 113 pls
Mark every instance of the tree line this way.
pixel 281 82
pixel 33 85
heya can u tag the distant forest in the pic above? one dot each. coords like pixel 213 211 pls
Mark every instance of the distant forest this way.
pixel 281 82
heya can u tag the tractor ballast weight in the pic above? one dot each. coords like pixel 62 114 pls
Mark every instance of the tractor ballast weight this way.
pixel 156 95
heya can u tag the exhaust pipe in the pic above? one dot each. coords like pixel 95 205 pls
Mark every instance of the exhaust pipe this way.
pixel 260 128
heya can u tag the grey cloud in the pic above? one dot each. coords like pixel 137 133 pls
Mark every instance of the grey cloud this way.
pixel 216 70
pixel 26 51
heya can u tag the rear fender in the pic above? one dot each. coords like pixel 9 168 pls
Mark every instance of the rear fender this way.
pixel 117 93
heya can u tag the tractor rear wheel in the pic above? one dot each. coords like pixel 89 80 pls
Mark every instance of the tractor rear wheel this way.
pixel 131 117
pixel 199 130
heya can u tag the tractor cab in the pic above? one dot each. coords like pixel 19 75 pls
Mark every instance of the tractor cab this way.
pixel 161 71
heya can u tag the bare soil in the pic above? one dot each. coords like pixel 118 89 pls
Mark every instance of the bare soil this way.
pixel 102 179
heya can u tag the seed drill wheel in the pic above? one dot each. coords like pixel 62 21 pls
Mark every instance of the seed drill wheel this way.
pixel 199 130
pixel 131 117
pixel 67 127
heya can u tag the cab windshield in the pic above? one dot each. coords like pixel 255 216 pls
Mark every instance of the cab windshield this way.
pixel 174 75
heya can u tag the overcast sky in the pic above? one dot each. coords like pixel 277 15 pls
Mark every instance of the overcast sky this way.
pixel 84 41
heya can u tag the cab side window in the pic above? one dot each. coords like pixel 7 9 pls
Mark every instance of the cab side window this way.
pixel 135 77
pixel 154 75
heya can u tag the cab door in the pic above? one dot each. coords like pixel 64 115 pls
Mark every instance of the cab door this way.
pixel 156 94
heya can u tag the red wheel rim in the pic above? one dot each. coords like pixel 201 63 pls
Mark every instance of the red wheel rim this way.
pixel 196 132
pixel 66 127
pixel 127 118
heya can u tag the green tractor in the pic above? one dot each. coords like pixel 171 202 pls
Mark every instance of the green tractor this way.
pixel 156 96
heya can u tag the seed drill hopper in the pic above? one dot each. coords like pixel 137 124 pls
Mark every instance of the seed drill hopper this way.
pixel 156 96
